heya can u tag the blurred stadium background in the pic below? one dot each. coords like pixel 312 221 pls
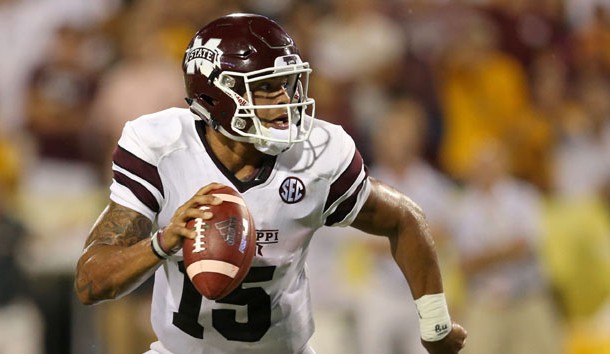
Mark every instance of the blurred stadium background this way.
pixel 494 115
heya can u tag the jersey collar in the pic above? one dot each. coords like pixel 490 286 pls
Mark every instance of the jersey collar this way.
pixel 261 177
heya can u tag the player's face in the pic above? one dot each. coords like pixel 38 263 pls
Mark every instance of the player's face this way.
pixel 273 91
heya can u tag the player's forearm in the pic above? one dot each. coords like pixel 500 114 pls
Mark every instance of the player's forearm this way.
pixel 117 256
pixel 414 251
pixel 389 213
pixel 107 272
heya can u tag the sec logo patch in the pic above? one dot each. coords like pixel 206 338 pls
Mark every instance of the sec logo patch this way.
pixel 292 190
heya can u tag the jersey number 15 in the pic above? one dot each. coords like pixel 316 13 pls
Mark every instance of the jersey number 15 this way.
pixel 224 320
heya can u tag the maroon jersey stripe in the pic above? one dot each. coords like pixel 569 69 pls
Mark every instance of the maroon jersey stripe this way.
pixel 345 207
pixel 340 186
pixel 143 194
pixel 138 167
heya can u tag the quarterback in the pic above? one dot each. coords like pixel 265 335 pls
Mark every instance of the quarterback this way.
pixel 250 125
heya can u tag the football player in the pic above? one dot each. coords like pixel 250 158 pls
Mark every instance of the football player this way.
pixel 249 125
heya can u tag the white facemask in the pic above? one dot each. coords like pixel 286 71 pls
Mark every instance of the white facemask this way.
pixel 275 147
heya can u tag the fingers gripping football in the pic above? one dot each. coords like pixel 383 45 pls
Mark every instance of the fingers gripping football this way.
pixel 175 232
pixel 218 258
pixel 217 234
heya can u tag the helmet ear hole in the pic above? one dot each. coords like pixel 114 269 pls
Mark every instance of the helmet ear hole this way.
pixel 213 75
pixel 208 99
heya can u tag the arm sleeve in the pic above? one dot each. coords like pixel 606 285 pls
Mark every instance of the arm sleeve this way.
pixel 349 185
pixel 136 182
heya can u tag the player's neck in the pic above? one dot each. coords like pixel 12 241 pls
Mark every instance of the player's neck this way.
pixel 242 159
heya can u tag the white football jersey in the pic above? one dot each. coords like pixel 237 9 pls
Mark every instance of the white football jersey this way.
pixel 162 159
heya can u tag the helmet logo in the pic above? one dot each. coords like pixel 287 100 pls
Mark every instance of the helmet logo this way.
pixel 291 59
pixel 203 57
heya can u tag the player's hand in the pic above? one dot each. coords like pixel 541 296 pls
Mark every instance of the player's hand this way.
pixel 176 229
pixel 451 344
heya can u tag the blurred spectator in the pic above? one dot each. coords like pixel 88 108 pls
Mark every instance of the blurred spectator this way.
pixel 358 46
pixel 550 97
pixel 271 8
pixel 21 326
pixel 144 79
pixel 415 74
pixel 58 98
pixel 576 253
pixel 498 226
pixel 484 95
pixel 527 27
pixel 580 12
pixel 584 142
pixel 357 40
pixel 335 286
pixel 298 21
pixel 591 42
pixel 60 185
pixel 27 29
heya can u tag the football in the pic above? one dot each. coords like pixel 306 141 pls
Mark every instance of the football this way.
pixel 219 257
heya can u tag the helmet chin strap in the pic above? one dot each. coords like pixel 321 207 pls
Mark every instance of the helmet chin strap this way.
pixel 203 114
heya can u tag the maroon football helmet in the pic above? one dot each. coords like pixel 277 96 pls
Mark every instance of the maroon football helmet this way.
pixel 229 54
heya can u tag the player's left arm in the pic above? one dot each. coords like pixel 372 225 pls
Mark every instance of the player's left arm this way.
pixel 389 213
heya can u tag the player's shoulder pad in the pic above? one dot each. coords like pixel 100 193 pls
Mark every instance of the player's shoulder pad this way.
pixel 152 136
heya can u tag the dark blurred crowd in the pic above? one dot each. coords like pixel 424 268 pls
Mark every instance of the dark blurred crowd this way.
pixel 494 115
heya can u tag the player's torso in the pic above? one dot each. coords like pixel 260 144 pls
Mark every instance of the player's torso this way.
pixel 286 206
pixel 272 305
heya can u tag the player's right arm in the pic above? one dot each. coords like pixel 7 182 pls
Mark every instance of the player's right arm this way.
pixel 118 256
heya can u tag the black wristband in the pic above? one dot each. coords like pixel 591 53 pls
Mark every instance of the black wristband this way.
pixel 152 246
